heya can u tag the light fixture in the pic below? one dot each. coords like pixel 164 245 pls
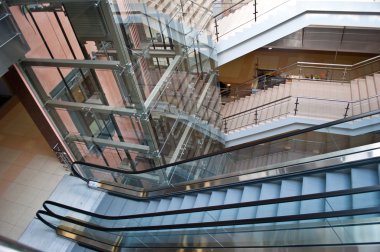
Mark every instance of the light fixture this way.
pixel 270 48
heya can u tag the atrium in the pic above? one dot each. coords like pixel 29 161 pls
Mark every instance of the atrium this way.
pixel 201 124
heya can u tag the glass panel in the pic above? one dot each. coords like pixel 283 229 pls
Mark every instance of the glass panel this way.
pixel 265 158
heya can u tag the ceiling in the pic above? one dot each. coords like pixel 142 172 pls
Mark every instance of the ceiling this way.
pixel 340 39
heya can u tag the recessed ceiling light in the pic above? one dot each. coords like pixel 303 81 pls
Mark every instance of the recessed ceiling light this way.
pixel 270 48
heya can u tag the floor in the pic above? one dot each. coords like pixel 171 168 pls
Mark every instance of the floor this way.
pixel 29 171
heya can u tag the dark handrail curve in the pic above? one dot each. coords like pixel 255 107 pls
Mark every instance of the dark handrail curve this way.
pixel 217 207
pixel 286 218
pixel 229 149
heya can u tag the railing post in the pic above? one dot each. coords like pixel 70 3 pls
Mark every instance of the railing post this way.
pixel 296 108
pixel 255 6
pixel 225 126
pixel 216 30
pixel 256 119
pixel 344 73
pixel 347 108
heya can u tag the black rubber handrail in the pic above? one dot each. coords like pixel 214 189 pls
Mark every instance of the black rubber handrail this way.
pixel 229 149
pixel 275 219
pixel 217 207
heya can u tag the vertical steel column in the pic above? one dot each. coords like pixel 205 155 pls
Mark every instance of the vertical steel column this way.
pixel 128 76
pixel 41 96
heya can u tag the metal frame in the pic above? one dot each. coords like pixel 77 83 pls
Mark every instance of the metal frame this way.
pixel 335 159
pixel 134 92
pixel 163 81
pixel 103 109
pixel 108 143
pixel 72 63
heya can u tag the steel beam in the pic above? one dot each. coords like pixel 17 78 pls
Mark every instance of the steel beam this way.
pixel 131 83
pixel 108 143
pixel 103 109
pixel 23 2
pixel 205 89
pixel 181 141
pixel 92 64
pixel 155 53
pixel 161 83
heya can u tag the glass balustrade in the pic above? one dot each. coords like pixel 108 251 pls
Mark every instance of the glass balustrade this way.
pixel 262 158
pixel 331 225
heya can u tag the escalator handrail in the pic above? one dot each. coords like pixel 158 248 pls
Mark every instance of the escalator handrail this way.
pixel 322 195
pixel 238 222
pixel 228 149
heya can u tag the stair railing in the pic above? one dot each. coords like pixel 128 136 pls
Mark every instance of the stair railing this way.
pixel 255 16
pixel 228 8
pixel 314 71
pixel 303 106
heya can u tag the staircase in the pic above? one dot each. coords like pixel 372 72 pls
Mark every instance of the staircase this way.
pixel 196 13
pixel 171 22
pixel 315 99
pixel 192 98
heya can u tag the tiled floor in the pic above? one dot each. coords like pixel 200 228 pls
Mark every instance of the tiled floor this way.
pixel 29 171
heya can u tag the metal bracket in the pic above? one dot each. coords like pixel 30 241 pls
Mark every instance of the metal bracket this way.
pixel 97 4
pixel 143 116
pixel 87 111
pixel 155 154
pixel 127 67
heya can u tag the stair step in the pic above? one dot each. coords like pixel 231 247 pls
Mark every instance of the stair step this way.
pixel 250 193
pixel 217 198
pixel 310 185
pixel 187 203
pixel 268 191
pixel 289 188
pixel 338 181
pixel 232 196
pixel 202 200
pixel 162 207
pixel 361 177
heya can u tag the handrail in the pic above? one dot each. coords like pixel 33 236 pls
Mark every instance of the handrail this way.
pixel 217 207
pixel 301 97
pixel 238 222
pixel 266 104
pixel 229 149
pixel 201 6
pixel 229 8
pixel 345 67
pixel 256 17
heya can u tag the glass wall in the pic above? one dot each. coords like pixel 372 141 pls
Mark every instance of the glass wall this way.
pixel 125 84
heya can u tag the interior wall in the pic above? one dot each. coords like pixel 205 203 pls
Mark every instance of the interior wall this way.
pixel 18 87
pixel 244 68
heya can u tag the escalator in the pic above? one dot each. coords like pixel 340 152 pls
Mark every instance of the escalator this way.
pixel 323 198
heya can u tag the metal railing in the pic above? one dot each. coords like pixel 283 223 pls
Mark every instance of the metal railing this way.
pixel 255 16
pixel 343 73
pixel 299 106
